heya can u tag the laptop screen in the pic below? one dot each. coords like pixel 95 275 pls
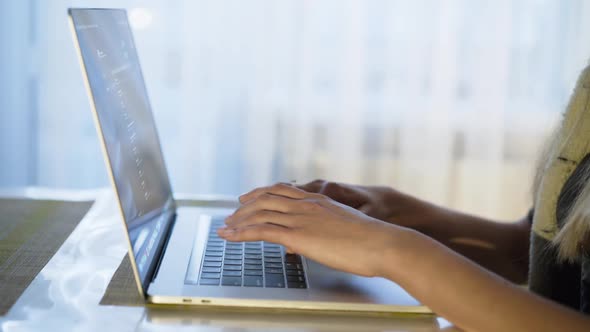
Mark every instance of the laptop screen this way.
pixel 128 129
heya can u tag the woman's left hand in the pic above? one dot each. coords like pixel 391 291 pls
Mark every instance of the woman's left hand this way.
pixel 312 225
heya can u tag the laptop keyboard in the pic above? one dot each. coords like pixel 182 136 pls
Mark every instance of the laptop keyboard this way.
pixel 249 264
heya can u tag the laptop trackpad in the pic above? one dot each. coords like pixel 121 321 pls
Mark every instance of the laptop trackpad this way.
pixel 326 284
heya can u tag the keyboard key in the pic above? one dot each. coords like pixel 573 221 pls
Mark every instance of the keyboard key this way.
pixel 274 280
pixel 273 271
pixel 295 273
pixel 253 281
pixel 233 256
pixel 272 250
pixel 213 253
pixel 273 260
pixel 209 282
pixel 233 262
pixel 251 256
pixel 274 265
pixel 253 261
pixel 234 245
pixel 211 264
pixel 271 245
pixel 292 266
pixel 232 268
pixel 291 258
pixel 233 252
pixel 253 251
pixel 209 258
pixel 211 269
pixel 253 266
pixel 227 273
pixel 272 254
pixel 296 285
pixel 295 279
pixel 231 281
pixel 253 272
pixel 210 275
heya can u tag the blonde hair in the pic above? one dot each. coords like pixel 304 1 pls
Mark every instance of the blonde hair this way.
pixel 575 233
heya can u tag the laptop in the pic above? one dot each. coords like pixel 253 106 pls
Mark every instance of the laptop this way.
pixel 175 253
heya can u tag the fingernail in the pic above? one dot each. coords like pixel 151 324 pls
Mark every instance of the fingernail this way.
pixel 226 230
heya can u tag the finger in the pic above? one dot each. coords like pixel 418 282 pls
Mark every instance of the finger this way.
pixel 280 189
pixel 261 232
pixel 343 193
pixel 340 190
pixel 264 201
pixel 313 186
pixel 264 216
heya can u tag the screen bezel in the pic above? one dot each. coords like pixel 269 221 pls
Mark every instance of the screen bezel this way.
pixel 169 211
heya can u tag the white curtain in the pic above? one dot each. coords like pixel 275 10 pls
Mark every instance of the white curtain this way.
pixel 448 100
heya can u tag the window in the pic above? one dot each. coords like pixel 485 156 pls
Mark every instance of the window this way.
pixel 425 96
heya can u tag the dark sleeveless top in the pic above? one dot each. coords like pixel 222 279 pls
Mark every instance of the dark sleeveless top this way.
pixel 561 182
pixel 566 283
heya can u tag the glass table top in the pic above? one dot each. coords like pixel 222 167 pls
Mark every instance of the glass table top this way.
pixel 65 295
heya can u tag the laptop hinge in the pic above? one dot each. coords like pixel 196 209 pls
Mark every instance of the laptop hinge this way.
pixel 164 247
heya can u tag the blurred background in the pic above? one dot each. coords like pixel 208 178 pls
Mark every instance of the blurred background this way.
pixel 448 100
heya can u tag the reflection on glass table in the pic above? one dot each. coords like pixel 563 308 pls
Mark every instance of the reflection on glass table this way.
pixel 65 295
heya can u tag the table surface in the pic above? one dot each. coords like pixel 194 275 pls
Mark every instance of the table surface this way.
pixel 65 294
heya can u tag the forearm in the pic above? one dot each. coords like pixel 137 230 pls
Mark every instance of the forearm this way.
pixel 467 295
pixel 500 247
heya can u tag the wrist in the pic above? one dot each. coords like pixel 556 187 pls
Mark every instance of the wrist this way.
pixel 397 254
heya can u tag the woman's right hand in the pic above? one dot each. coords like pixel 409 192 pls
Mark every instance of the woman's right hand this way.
pixel 379 202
